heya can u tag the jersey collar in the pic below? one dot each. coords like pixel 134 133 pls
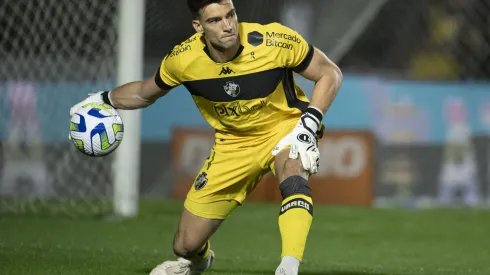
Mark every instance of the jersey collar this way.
pixel 206 50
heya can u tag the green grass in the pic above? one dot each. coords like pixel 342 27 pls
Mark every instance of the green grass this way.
pixel 342 241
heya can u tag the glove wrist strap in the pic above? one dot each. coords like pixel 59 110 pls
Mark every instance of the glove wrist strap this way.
pixel 311 119
pixel 315 112
pixel 106 99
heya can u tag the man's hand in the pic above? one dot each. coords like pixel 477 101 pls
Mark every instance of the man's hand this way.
pixel 303 140
pixel 99 97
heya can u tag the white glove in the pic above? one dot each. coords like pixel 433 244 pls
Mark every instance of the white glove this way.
pixel 303 141
pixel 92 98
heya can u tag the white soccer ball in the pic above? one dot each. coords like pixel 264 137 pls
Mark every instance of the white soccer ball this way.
pixel 96 129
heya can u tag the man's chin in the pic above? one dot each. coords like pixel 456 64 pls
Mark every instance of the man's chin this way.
pixel 229 42
pixel 225 44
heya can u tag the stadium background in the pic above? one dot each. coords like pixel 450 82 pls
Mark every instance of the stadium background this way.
pixel 415 76
pixel 409 130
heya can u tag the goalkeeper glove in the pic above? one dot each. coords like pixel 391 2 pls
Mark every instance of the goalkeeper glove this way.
pixel 100 97
pixel 303 140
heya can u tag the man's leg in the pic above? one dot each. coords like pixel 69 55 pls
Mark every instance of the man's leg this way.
pixel 198 223
pixel 296 214
pixel 191 240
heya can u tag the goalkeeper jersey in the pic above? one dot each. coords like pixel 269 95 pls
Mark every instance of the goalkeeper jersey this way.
pixel 253 92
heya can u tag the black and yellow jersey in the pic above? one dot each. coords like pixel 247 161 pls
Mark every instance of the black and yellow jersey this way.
pixel 253 92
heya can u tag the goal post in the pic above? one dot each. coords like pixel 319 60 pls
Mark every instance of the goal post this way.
pixel 130 68
pixel 54 53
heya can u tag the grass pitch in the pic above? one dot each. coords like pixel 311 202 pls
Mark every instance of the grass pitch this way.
pixel 342 241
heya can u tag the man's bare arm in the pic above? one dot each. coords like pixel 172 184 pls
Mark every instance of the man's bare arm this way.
pixel 327 77
pixel 135 95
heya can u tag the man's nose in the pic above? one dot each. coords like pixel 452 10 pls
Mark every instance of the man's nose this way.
pixel 227 25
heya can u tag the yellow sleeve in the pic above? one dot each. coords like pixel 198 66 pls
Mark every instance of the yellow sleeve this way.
pixel 292 50
pixel 167 75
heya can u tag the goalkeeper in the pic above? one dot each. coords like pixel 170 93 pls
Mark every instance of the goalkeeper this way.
pixel 240 76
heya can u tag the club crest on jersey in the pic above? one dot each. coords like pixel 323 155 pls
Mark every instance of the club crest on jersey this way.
pixel 201 180
pixel 232 89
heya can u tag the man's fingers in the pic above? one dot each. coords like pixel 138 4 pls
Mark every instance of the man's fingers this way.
pixel 314 160
pixel 305 161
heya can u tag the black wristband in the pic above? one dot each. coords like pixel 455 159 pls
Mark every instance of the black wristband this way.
pixel 314 112
pixel 105 98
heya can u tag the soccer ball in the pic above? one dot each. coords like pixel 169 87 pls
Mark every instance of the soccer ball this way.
pixel 96 129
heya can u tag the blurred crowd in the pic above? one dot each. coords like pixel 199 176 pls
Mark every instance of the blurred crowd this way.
pixel 419 39
pixel 458 41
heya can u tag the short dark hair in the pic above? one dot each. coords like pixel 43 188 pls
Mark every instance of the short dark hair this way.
pixel 196 5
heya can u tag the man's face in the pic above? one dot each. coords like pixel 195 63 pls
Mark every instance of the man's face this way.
pixel 219 24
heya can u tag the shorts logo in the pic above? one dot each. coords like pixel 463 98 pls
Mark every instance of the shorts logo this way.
pixel 255 38
pixel 304 138
pixel 232 89
pixel 201 181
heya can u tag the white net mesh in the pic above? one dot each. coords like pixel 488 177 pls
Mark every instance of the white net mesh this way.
pixel 53 53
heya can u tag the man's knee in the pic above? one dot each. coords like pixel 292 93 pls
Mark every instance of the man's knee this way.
pixel 193 233
pixel 185 245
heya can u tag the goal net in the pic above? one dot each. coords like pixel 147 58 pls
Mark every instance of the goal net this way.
pixel 53 54
pixel 56 52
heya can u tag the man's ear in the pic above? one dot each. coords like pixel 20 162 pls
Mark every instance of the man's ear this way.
pixel 197 26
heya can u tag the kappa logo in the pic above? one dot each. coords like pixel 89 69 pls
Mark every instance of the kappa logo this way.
pixel 232 89
pixel 226 70
pixel 201 181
